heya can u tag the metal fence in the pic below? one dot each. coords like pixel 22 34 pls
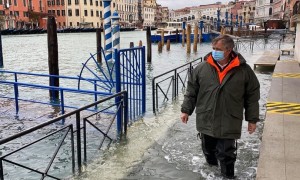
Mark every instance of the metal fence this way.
pixel 170 83
pixel 76 129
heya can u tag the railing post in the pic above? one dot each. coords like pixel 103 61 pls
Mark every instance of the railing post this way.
pixel 73 150
pixel 78 137
pixel 125 111
pixel 118 89
pixel 62 104
pixel 1 170
pixel 153 95
pixel 95 89
pixel 16 90
pixel 143 80
pixel 84 142
pixel 175 83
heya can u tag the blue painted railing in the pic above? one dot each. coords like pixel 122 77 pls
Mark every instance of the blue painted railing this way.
pixel 13 81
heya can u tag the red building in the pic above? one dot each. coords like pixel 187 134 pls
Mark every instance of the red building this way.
pixel 31 14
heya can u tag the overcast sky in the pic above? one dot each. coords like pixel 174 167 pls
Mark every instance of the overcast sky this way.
pixel 178 4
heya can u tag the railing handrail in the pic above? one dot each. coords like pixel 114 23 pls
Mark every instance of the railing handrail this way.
pixel 54 88
pixel 47 75
pixel 5 140
pixel 175 68
pixel 174 78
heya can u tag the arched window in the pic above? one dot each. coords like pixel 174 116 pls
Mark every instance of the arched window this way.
pixel 270 11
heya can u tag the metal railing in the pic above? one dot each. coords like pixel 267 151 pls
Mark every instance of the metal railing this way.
pixel 16 84
pixel 121 104
pixel 172 80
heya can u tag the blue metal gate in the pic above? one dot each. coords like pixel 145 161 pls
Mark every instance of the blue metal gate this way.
pixel 125 72
pixel 131 76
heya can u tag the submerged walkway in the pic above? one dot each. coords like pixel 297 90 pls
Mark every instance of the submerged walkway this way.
pixel 280 148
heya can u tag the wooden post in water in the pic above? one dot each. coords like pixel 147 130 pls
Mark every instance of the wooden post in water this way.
pixel 188 39
pixel 168 44
pixel 149 44
pixel 140 43
pixel 98 39
pixel 1 54
pixel 195 38
pixel 159 46
pixel 183 37
pixel 53 56
pixel 162 38
pixel 131 45
pixel 177 36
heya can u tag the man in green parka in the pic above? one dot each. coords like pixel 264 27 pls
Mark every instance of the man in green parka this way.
pixel 221 88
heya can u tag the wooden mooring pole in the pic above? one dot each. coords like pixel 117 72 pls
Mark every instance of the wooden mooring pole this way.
pixel 195 38
pixel 168 44
pixel 162 38
pixel 98 37
pixel 149 44
pixel 188 39
pixel 1 54
pixel 53 56
pixel 159 46
pixel 183 37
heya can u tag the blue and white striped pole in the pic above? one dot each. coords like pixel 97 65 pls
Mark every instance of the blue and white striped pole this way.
pixel 107 30
pixel 115 30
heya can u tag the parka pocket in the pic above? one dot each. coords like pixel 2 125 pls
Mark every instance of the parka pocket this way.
pixel 204 119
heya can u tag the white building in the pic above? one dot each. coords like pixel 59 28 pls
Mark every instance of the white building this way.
pixel 263 10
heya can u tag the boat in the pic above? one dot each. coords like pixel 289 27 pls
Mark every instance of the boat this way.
pixel 171 32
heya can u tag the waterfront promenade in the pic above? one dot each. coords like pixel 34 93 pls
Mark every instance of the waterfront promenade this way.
pixel 280 149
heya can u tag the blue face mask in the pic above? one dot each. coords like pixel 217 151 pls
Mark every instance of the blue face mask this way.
pixel 218 55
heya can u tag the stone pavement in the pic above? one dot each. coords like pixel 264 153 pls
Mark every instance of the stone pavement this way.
pixel 280 149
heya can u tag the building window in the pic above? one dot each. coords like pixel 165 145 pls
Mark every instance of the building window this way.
pixel 84 2
pixel 97 13
pixel 77 12
pixel 59 24
pixel 57 2
pixel 85 13
pixel 101 3
pixel 69 2
pixel 15 2
pixel 64 24
pixel 63 13
pixel 71 24
pixel 62 2
pixel 97 3
pixel 77 24
pixel 24 3
pixel 69 12
pixel 76 2
pixel 17 13
pixel 270 11
pixel 58 12
pixel 53 11
pixel 100 14
pixel 53 2
pixel 92 13
pixel 49 11
pixel 91 2
pixel 49 3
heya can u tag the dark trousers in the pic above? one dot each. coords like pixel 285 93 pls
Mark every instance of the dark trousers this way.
pixel 215 149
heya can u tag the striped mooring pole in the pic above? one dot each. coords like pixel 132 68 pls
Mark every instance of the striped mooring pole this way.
pixel 107 30
pixel 115 19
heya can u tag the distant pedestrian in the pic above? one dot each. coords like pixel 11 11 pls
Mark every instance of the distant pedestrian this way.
pixel 221 88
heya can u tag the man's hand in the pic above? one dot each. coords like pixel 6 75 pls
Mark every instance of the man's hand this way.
pixel 251 127
pixel 184 117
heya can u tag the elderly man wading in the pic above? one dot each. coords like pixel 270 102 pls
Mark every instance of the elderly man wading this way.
pixel 221 88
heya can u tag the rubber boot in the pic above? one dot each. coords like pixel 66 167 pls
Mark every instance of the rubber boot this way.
pixel 227 170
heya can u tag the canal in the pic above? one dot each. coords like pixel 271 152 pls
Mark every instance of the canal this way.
pixel 157 147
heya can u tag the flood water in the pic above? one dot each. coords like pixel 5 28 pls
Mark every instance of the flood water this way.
pixel 157 147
